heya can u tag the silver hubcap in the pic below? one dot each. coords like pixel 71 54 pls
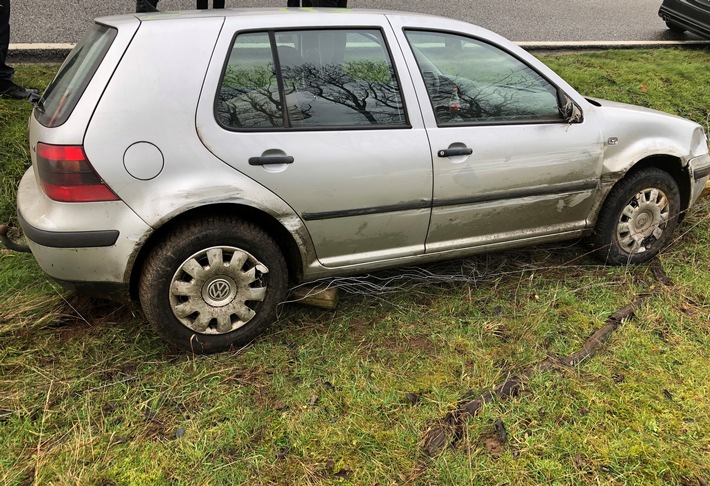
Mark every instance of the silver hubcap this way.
pixel 643 220
pixel 211 290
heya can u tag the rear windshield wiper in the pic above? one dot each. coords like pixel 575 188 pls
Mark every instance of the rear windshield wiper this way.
pixel 37 101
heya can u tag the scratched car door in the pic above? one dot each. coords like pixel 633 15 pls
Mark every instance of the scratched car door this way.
pixel 322 118
pixel 507 166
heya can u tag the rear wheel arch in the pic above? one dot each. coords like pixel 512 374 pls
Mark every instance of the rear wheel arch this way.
pixel 287 244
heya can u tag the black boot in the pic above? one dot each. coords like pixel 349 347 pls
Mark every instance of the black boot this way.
pixel 8 89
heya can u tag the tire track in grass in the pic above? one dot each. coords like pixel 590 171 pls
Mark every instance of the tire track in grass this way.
pixel 448 430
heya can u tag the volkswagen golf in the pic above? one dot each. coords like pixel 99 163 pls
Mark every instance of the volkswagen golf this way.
pixel 202 162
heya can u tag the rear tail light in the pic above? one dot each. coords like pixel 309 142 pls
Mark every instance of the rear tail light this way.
pixel 67 175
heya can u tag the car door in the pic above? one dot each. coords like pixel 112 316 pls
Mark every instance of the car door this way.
pixel 321 117
pixel 507 167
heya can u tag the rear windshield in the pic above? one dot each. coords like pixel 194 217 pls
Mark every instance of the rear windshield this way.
pixel 63 93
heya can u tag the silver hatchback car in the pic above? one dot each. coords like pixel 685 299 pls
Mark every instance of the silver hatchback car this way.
pixel 202 162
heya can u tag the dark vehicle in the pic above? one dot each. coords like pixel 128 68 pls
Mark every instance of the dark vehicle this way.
pixel 690 15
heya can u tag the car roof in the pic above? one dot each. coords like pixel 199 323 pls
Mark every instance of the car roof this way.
pixel 305 14
pixel 284 17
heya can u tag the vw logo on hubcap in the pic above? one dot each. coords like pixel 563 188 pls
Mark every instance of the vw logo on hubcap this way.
pixel 219 291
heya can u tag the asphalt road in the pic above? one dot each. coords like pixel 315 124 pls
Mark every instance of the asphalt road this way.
pixel 65 21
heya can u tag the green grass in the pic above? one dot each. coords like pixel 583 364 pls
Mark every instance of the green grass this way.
pixel 89 395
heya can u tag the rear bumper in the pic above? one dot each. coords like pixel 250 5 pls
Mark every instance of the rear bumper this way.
pixel 67 239
pixel 85 246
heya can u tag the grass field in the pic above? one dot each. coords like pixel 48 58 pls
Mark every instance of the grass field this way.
pixel 90 395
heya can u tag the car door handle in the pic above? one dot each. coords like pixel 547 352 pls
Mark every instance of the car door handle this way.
pixel 271 160
pixel 452 152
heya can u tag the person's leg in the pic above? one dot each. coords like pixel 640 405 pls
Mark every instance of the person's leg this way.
pixel 8 89
pixel 201 4
pixel 6 71
pixel 217 3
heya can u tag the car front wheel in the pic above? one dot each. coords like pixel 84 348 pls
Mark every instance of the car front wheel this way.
pixel 638 217
pixel 213 284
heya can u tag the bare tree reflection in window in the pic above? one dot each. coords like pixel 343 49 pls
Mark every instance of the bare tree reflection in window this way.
pixel 250 98
pixel 364 88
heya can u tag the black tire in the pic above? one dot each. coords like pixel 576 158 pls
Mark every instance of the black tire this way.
pixel 213 284
pixel 638 218
pixel 673 27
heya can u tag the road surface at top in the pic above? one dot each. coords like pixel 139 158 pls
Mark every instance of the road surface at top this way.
pixel 65 21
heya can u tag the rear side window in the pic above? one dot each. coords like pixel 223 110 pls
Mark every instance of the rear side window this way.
pixel 310 79
pixel 65 90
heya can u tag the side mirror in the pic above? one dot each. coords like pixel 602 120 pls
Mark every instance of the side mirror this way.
pixel 570 111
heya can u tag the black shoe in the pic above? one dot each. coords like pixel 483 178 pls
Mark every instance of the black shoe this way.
pixel 8 89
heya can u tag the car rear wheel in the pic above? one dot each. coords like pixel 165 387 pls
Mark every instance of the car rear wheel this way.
pixel 213 284
pixel 675 27
pixel 638 217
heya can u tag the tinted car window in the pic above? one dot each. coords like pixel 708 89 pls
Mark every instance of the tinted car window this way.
pixel 65 90
pixel 471 81
pixel 249 95
pixel 312 79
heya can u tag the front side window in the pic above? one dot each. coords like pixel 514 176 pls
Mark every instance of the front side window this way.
pixel 469 81
pixel 310 79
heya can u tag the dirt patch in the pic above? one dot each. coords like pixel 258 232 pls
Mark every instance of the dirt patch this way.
pixel 81 315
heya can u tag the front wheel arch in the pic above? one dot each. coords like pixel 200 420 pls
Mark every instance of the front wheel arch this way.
pixel 638 217
pixel 674 167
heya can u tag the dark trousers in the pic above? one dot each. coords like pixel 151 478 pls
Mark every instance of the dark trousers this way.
pixel 145 6
pixel 202 4
pixel 6 71
pixel 318 3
